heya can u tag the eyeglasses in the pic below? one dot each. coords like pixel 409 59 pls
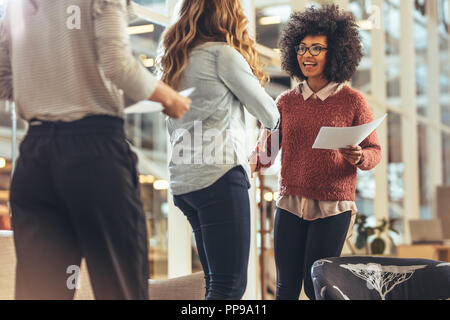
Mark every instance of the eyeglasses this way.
pixel 313 50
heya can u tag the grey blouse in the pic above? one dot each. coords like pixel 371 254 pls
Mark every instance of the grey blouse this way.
pixel 211 138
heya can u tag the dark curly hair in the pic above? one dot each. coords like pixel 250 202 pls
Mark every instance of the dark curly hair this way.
pixel 343 41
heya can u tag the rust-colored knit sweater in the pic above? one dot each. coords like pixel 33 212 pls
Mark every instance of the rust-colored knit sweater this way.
pixel 315 173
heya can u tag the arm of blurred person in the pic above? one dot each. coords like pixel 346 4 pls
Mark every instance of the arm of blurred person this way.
pixel 6 86
pixel 121 67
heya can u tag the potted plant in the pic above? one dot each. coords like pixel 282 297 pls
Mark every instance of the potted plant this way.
pixel 382 233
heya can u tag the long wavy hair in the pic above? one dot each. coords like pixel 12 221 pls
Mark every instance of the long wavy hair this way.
pixel 201 21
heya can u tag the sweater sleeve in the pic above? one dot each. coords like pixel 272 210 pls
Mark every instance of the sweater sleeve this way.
pixel 371 147
pixel 237 75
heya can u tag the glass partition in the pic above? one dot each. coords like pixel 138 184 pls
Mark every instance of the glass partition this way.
pixel 424 173
pixel 444 60
pixel 392 34
pixel 271 17
pixel 361 79
pixel 157 6
pixel 147 133
pixel 395 172
pixel 365 186
pixel 420 44
pixel 446 158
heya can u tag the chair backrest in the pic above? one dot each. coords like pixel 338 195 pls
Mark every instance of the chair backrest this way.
pixel 190 287
pixel 443 209
pixel 7 265
pixel 426 231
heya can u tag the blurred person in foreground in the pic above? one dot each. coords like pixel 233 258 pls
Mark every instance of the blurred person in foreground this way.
pixel 75 191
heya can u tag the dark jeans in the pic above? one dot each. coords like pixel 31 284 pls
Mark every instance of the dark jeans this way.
pixel 299 243
pixel 220 219
pixel 75 194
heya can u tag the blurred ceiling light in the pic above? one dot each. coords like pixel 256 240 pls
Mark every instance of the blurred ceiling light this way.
pixel 146 179
pixel 2 160
pixel 270 20
pixel 268 196
pixel 146 28
pixel 161 185
pixel 4 195
pixel 4 209
pixel 148 63
pixel 365 24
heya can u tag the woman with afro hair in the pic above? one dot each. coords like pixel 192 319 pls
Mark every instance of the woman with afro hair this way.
pixel 316 205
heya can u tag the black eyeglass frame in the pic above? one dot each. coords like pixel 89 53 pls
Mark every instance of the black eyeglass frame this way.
pixel 297 49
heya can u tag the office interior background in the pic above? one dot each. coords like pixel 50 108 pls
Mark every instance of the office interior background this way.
pixel 405 72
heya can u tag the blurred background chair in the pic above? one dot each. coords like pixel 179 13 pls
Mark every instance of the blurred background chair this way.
pixel 190 287
pixel 7 265
pixel 380 278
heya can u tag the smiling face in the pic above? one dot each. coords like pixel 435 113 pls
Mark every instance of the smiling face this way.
pixel 313 66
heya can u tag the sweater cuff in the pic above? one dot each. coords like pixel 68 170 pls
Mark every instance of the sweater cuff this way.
pixel 361 161
pixel 277 126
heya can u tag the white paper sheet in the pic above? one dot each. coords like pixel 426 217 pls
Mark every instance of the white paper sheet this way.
pixel 147 106
pixel 333 138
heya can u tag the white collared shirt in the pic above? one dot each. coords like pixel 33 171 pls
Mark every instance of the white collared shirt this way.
pixel 330 89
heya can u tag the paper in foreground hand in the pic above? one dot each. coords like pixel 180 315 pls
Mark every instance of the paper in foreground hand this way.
pixel 334 138
pixel 147 106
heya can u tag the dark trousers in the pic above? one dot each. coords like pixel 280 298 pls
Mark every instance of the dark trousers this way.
pixel 220 219
pixel 75 194
pixel 299 243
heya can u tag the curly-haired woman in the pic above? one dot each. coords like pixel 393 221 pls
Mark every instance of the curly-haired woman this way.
pixel 316 208
pixel 209 48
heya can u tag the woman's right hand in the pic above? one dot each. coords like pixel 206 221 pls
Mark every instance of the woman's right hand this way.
pixel 175 105
pixel 262 140
pixel 253 161
pixel 261 146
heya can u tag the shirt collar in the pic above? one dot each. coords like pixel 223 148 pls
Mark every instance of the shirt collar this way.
pixel 327 91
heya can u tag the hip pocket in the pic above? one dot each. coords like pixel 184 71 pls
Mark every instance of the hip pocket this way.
pixel 238 176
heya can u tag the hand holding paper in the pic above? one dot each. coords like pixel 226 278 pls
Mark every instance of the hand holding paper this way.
pixel 147 106
pixel 334 138
pixel 353 154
